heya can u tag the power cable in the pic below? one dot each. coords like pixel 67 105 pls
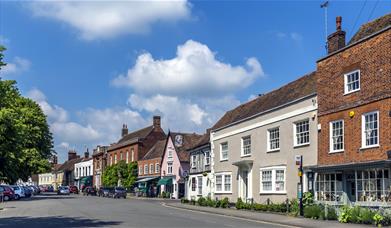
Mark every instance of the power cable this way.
pixel 373 10
pixel 358 16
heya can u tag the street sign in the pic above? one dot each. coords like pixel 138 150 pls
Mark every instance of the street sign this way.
pixel 298 159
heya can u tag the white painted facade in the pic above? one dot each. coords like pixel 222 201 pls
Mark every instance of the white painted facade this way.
pixel 83 169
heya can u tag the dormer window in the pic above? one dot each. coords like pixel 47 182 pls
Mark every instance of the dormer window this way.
pixel 352 81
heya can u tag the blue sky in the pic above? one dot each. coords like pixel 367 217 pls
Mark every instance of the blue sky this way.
pixel 94 66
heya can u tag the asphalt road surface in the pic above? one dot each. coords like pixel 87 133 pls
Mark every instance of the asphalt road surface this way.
pixel 91 211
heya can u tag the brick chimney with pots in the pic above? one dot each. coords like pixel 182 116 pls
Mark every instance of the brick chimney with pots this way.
pixel 336 40
pixel 86 154
pixel 124 130
pixel 156 122
pixel 72 155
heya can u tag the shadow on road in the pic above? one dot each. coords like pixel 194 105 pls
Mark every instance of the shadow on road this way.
pixel 58 222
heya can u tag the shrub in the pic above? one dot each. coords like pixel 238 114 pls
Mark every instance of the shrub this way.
pixel 260 207
pixel 331 214
pixel 308 199
pixel 294 207
pixel 313 211
pixel 240 204
pixel 378 219
pixel 355 215
pixel 366 216
pixel 202 202
pixel 224 203
pixel 184 200
pixel 386 213
pixel 345 214
pixel 192 202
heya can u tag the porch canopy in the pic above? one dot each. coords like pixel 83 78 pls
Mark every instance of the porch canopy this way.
pixel 165 181
pixel 245 163
pixel 146 179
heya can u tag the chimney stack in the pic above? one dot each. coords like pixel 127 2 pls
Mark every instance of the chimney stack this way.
pixel 86 154
pixel 124 130
pixel 336 40
pixel 72 155
pixel 156 122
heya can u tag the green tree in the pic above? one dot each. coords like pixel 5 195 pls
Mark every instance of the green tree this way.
pixel 2 49
pixel 126 173
pixel 25 140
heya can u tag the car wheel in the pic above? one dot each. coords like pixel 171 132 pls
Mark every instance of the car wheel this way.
pixel 6 198
pixel 17 197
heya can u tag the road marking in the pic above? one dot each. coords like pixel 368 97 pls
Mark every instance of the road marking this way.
pixel 230 216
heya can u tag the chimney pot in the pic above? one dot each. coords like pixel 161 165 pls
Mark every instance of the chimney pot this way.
pixel 156 122
pixel 338 22
pixel 336 40
pixel 124 130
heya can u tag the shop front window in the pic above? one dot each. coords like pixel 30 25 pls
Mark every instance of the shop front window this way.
pixel 329 187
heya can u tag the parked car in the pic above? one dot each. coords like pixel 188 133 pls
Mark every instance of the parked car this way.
pixel 37 190
pixel 119 192
pixel 19 191
pixel 104 191
pixel 89 191
pixel 49 188
pixel 27 191
pixel 73 189
pixel 63 190
pixel 8 192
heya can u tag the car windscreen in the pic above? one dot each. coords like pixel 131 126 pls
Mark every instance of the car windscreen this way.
pixel 120 189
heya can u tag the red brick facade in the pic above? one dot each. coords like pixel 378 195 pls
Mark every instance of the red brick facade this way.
pixel 373 58
pixel 149 162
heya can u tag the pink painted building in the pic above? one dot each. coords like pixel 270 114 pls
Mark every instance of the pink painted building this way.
pixel 176 163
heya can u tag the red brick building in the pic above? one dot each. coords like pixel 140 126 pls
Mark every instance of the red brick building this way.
pixel 133 146
pixel 100 162
pixel 354 113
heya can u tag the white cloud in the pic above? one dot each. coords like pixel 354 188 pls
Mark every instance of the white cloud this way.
pixel 107 19
pixel 194 71
pixel 17 66
pixel 4 40
pixel 294 36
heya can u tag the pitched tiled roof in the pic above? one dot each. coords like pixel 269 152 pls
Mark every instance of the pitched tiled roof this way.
pixel 56 167
pixel 69 165
pixel 371 28
pixel 203 140
pixel 189 140
pixel 156 151
pixel 297 89
pixel 132 137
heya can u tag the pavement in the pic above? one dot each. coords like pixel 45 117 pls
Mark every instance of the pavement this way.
pixel 50 210
pixel 272 218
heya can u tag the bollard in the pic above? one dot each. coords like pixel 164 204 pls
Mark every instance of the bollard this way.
pixel 287 205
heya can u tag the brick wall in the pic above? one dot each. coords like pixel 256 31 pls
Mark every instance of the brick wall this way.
pixel 149 162
pixel 373 58
pixel 125 150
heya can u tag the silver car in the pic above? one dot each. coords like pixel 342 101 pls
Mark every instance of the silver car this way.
pixel 63 190
pixel 19 191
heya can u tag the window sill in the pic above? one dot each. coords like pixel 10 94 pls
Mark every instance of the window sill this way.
pixel 301 145
pixel 273 193
pixel 369 147
pixel 223 192
pixel 247 155
pixel 350 92
pixel 272 151
pixel 224 160
pixel 336 151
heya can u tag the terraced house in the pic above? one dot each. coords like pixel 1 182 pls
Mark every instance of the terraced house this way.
pixel 200 179
pixel 354 93
pixel 254 145
pixel 133 146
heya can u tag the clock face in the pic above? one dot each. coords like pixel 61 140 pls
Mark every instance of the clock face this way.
pixel 178 140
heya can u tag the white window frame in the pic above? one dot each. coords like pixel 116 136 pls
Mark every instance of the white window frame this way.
pixel 140 170
pixel 170 156
pixel 115 158
pixel 223 174
pixel 346 82
pixel 151 169
pixel 199 185
pixel 169 165
pixel 331 142
pixel 146 169
pixel 269 142
pixel 127 156
pixel 363 137
pixel 221 151
pixel 207 158
pixel 132 151
pixel 242 146
pixel 295 144
pixel 157 168
pixel 193 161
pixel 273 169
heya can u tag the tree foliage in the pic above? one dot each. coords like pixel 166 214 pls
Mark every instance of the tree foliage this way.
pixel 25 140
pixel 121 172
pixel 2 49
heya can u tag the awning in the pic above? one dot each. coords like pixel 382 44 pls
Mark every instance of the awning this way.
pixel 86 180
pixel 350 166
pixel 165 181
pixel 146 179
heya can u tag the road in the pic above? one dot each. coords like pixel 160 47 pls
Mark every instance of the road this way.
pixel 90 211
